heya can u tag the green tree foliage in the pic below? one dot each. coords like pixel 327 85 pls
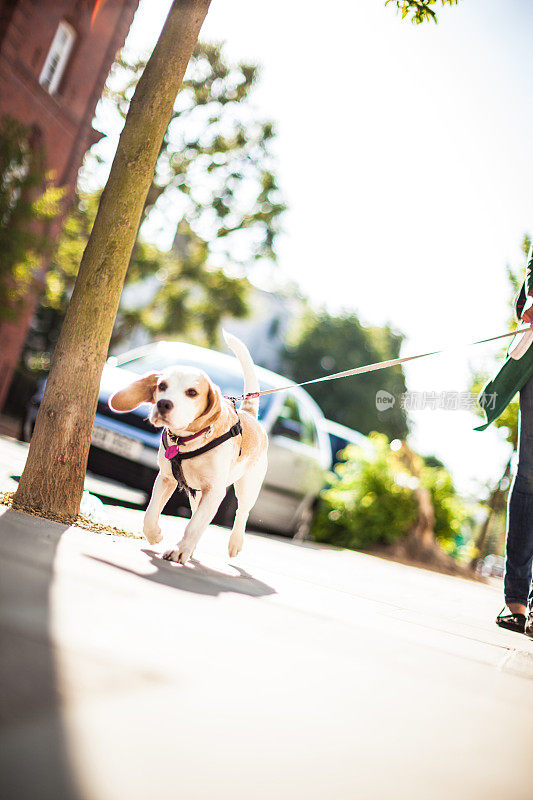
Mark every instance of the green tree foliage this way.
pixel 191 297
pixel 175 293
pixel 214 180
pixel 419 10
pixel 371 502
pixel 327 344
pixel 215 168
pixel 28 200
pixel 59 282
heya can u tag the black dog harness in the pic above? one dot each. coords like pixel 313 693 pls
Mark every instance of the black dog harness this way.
pixel 173 454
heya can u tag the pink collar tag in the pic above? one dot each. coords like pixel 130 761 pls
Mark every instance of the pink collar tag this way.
pixel 171 451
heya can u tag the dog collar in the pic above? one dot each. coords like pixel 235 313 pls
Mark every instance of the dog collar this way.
pixel 172 451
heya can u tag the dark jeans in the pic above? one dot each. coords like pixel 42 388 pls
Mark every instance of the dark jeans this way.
pixel 519 545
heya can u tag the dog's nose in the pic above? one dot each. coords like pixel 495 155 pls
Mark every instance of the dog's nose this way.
pixel 164 405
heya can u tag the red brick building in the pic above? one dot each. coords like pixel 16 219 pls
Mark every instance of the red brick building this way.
pixel 55 56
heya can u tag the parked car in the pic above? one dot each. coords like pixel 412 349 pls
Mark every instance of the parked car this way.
pixel 124 446
pixel 340 437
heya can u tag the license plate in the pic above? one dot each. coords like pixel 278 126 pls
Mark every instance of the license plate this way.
pixel 116 443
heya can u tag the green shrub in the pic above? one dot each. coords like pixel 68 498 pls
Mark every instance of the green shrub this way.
pixel 366 503
pixel 371 501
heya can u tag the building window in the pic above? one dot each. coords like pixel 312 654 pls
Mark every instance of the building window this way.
pixel 57 58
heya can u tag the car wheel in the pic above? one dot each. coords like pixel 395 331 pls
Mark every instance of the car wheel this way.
pixel 26 429
pixel 225 515
pixel 178 505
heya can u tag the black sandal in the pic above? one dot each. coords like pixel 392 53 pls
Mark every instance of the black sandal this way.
pixel 511 622
pixel 528 630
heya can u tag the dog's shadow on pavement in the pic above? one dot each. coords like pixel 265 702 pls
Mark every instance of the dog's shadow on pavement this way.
pixel 195 577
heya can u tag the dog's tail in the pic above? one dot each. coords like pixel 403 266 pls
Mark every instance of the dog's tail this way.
pixel 251 384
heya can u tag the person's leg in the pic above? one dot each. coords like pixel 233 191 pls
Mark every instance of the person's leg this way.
pixel 519 542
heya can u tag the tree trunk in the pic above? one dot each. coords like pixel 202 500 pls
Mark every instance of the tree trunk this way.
pixel 420 543
pixel 52 481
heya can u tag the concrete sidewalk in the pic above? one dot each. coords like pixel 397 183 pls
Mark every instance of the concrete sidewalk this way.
pixel 293 672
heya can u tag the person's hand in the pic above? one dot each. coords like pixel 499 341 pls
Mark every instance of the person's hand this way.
pixel 527 311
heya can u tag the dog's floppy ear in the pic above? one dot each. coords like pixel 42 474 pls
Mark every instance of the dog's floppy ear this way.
pixel 140 391
pixel 212 409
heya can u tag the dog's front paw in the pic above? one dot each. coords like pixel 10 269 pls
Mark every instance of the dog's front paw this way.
pixel 179 554
pixel 235 545
pixel 152 533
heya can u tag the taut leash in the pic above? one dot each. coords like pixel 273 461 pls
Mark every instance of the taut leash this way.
pixel 393 362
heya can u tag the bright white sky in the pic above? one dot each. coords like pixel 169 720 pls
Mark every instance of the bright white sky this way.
pixel 404 153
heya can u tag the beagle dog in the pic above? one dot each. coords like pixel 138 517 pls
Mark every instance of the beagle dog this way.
pixel 206 446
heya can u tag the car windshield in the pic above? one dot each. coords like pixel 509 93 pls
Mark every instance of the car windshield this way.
pixel 231 383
